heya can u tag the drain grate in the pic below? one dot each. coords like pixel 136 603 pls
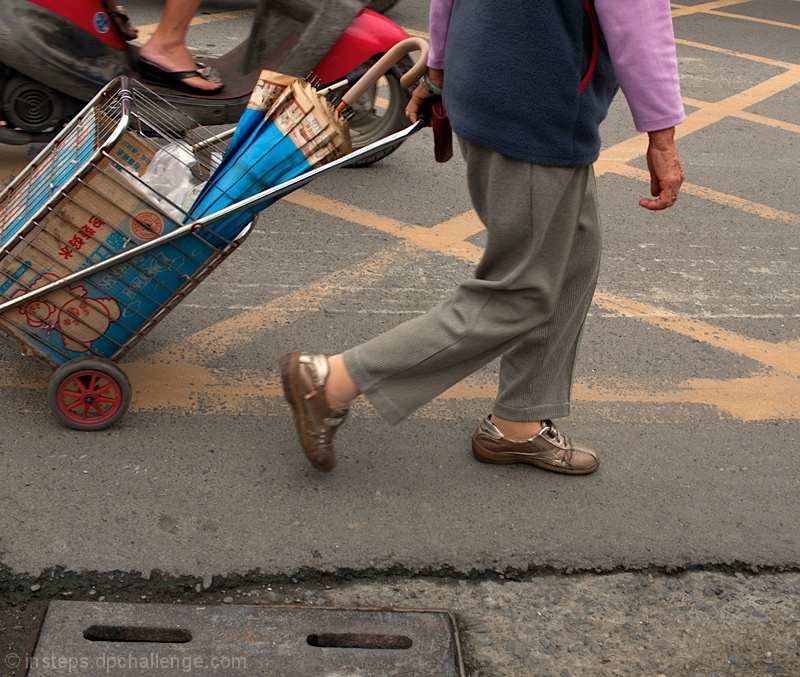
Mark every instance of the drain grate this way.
pixel 87 638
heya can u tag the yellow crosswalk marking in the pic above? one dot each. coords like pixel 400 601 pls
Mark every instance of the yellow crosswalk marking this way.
pixel 178 377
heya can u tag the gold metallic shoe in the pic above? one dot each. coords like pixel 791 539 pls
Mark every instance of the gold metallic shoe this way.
pixel 303 376
pixel 549 450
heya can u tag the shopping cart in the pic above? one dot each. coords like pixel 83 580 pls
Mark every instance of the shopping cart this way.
pixel 92 256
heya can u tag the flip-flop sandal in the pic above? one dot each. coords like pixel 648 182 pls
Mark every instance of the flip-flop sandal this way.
pixel 123 23
pixel 158 75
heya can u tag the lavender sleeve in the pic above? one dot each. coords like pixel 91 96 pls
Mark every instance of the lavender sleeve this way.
pixel 438 25
pixel 641 42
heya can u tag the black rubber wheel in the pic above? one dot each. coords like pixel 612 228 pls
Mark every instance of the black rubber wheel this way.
pixel 381 111
pixel 89 393
pixel 381 5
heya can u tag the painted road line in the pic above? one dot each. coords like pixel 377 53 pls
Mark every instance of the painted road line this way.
pixel 186 389
pixel 767 122
pixel 247 326
pixel 766 397
pixel 196 387
pixel 778 356
pixel 685 10
pixel 762 397
pixel 783 357
pixel 446 238
pixel 750 117
pixel 725 199
pixel 754 19
pixel 449 237
pixel 711 113
pixel 607 315
pixel 740 55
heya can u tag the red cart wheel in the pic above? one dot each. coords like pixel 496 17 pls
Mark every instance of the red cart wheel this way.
pixel 89 393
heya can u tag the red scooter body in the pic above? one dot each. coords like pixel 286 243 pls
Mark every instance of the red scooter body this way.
pixel 56 54
pixel 89 15
pixel 369 34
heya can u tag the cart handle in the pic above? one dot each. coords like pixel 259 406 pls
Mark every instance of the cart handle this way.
pixel 384 64
pixel 269 194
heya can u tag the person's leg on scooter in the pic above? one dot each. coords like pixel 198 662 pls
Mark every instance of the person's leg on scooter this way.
pixel 166 60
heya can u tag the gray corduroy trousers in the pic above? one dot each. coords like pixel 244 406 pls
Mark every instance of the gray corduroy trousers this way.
pixel 527 302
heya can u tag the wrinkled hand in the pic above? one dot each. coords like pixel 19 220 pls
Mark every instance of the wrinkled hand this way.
pixel 422 92
pixel 666 172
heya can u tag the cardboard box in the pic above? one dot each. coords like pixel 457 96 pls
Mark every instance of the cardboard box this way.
pixel 101 215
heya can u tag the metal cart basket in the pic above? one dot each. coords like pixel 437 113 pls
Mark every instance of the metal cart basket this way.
pixel 92 257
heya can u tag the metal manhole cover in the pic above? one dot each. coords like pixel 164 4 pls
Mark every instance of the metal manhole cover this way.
pixel 87 638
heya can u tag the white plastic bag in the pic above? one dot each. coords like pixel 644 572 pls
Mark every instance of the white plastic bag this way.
pixel 169 175
pixel 170 172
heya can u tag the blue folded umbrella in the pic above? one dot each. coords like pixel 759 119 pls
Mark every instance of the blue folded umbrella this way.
pixel 293 132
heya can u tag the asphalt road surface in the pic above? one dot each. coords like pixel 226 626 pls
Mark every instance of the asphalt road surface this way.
pixel 683 545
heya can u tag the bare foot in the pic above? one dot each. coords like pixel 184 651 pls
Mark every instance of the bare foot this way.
pixel 180 59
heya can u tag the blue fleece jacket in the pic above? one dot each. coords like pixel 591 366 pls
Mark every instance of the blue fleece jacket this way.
pixel 531 79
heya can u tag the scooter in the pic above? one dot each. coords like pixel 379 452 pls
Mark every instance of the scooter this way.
pixel 55 55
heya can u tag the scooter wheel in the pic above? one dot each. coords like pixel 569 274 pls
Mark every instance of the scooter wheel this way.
pixel 89 393
pixel 379 112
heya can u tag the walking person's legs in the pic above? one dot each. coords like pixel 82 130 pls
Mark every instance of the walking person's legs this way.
pixel 539 368
pixel 532 215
